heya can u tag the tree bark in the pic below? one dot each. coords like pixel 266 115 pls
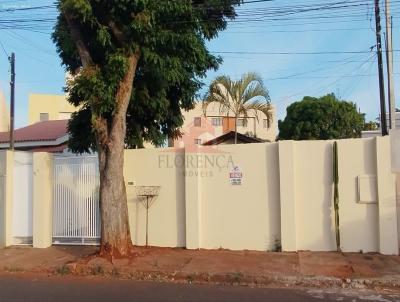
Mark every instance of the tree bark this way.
pixel 115 232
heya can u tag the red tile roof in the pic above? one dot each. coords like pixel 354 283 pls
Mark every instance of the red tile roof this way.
pixel 51 149
pixel 39 132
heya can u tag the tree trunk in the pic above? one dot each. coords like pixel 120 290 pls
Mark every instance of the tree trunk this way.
pixel 236 121
pixel 115 232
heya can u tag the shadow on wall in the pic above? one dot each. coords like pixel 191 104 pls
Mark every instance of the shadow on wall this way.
pixel 272 201
pixel 328 208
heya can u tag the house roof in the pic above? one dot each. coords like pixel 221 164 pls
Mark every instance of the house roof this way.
pixel 231 135
pixel 51 149
pixel 40 132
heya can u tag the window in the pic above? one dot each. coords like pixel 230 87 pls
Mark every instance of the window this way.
pixel 197 121
pixel 266 123
pixel 242 122
pixel 65 115
pixel 197 141
pixel 216 121
pixel 44 117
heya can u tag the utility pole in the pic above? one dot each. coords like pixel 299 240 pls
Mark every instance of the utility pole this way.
pixel 389 59
pixel 12 105
pixel 380 69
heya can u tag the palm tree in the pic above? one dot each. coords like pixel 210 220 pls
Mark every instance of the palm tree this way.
pixel 239 98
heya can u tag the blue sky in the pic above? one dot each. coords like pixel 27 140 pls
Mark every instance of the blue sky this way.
pixel 352 76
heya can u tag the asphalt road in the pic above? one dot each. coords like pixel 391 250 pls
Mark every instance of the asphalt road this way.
pixel 41 289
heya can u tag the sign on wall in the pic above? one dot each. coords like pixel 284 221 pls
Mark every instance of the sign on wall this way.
pixel 236 177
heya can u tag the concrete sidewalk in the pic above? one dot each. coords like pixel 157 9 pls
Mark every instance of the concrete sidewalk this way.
pixel 310 269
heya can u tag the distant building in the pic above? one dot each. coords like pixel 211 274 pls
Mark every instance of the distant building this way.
pixel 218 124
pixel 378 132
pixel 47 107
pixel 4 114
pixel 55 107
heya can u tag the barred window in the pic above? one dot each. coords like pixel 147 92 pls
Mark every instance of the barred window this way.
pixel 216 121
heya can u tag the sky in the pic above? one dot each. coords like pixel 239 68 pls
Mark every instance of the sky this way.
pixel 296 53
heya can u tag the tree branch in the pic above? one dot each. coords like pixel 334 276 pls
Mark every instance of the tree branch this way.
pixel 118 34
pixel 84 53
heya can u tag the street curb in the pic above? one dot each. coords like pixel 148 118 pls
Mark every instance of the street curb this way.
pixel 233 279
pixel 391 282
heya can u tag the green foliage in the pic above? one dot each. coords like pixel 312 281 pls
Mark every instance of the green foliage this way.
pixel 371 126
pixel 239 98
pixel 170 38
pixel 321 118
pixel 64 270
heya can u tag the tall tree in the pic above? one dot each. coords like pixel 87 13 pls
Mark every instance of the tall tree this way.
pixel 321 118
pixel 239 98
pixel 136 64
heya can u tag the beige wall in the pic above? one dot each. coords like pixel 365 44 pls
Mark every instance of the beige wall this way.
pixel 55 105
pixel 313 195
pixel 286 197
pixel 359 221
pixel 367 227
pixel 154 167
pixel 247 215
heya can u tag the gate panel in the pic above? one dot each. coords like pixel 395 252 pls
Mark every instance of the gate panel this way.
pixel 22 198
pixel 76 215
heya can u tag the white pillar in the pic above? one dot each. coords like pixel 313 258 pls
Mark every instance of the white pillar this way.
pixel 6 198
pixel 43 180
pixel 388 237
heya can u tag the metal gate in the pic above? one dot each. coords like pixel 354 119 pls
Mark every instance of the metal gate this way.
pixel 76 215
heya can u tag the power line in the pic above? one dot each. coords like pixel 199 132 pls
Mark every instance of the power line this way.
pixel 292 53
pixel 4 50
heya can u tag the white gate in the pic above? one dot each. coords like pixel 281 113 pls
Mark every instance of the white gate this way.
pixel 76 216
pixel 22 198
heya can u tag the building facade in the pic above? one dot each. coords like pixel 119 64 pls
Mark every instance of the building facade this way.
pixel 47 107
pixel 199 127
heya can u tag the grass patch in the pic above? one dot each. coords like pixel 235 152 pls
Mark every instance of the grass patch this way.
pixel 13 269
pixel 98 270
pixel 64 270
pixel 236 277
